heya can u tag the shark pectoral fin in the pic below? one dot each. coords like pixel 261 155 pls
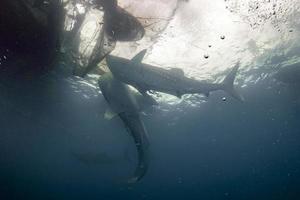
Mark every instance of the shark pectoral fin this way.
pixel 109 114
pixel 139 57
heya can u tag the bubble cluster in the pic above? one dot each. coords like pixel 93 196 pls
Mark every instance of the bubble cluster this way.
pixel 259 12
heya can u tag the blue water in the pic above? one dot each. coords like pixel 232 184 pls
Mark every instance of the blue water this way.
pixel 219 150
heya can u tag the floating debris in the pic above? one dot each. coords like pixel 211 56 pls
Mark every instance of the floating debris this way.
pixel 224 99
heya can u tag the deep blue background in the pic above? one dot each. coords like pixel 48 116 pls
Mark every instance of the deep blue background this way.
pixel 220 150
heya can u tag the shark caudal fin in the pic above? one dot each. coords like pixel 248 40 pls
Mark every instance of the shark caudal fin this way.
pixel 228 83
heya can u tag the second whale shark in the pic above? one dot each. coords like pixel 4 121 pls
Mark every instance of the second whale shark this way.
pixel 127 103
pixel 146 77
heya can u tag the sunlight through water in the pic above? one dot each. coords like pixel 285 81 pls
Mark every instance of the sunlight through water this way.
pixel 206 38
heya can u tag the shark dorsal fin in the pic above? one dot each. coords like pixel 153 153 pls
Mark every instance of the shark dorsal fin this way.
pixel 109 114
pixel 177 71
pixel 139 57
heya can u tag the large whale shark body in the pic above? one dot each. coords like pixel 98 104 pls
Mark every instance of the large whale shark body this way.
pixel 146 77
pixel 126 103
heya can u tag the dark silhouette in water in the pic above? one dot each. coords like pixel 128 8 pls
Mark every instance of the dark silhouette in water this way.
pixel 127 103
pixel 118 25
pixel 31 40
pixel 31 32
pixel 30 37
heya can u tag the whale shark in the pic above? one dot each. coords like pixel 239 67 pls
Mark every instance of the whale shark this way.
pixel 127 103
pixel 145 77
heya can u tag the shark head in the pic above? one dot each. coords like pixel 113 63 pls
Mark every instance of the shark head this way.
pixel 117 65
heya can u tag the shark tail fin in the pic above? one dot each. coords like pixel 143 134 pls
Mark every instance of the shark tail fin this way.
pixel 228 83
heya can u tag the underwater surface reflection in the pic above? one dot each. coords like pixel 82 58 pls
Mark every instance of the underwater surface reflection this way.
pixel 72 130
